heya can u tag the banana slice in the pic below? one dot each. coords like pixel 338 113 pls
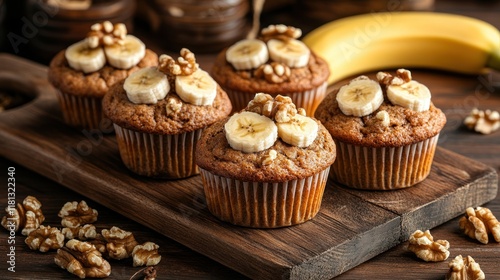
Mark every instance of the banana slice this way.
pixel 247 54
pixel 146 86
pixel 293 53
pixel 83 58
pixel 412 95
pixel 199 88
pixel 360 97
pixel 250 132
pixel 300 131
pixel 127 54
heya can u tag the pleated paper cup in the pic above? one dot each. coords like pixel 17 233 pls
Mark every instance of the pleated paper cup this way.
pixel 385 168
pixel 161 156
pixel 309 100
pixel 264 205
pixel 80 111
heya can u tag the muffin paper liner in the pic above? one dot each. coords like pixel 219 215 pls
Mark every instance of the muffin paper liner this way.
pixel 80 111
pixel 309 100
pixel 264 205
pixel 153 155
pixel 386 168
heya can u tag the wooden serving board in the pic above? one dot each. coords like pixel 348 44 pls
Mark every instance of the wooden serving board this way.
pixel 351 227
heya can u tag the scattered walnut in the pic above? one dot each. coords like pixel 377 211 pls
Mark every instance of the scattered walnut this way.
pixel 25 217
pixel 464 269
pixel 146 254
pixel 85 232
pixel 74 214
pixel 280 32
pixel 82 259
pixel 383 117
pixel 185 64
pixel 402 76
pixel 106 33
pixel 173 106
pixel 484 122
pixel 423 245
pixel 45 238
pixel 147 273
pixel 269 157
pixel 479 223
pixel 120 244
pixel 275 72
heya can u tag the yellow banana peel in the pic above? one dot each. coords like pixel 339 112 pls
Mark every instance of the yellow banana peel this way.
pixel 377 41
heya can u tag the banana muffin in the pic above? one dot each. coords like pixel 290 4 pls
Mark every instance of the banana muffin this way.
pixel 386 131
pixel 85 71
pixel 159 113
pixel 276 63
pixel 266 166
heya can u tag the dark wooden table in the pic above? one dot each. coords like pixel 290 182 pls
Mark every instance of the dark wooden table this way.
pixel 455 94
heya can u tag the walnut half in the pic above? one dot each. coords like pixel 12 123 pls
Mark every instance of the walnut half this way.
pixel 45 238
pixel 464 269
pixel 120 243
pixel 25 217
pixel 484 122
pixel 423 245
pixel 146 254
pixel 82 259
pixel 74 214
pixel 479 224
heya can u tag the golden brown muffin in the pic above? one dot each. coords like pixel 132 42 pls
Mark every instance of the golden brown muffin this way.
pixel 382 156
pixel 306 84
pixel 256 189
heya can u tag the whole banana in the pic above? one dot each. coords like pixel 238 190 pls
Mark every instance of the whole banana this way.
pixel 376 41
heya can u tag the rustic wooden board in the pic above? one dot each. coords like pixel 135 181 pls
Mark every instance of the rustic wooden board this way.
pixel 351 227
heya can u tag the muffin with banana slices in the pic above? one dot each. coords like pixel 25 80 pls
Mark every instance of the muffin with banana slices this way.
pixel 386 131
pixel 276 63
pixel 265 166
pixel 85 71
pixel 160 112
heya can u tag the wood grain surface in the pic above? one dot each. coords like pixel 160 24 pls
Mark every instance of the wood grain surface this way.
pixel 352 226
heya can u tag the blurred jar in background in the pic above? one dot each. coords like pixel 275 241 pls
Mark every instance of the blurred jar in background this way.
pixel 323 11
pixel 203 26
pixel 56 24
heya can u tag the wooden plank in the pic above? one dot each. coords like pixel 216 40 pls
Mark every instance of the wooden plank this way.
pixel 351 227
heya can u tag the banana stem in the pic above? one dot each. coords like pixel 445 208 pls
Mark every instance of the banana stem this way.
pixel 494 60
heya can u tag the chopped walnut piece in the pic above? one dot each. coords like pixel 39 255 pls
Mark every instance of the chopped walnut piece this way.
pixel 82 259
pixel 402 76
pixel 423 245
pixel 184 66
pixel 484 122
pixel 280 109
pixel 105 34
pixel 45 238
pixel 275 72
pixel 285 109
pixel 383 117
pixel 120 243
pixel 25 217
pixel 146 254
pixel 268 158
pixel 464 269
pixel 85 232
pixel 173 106
pixel 74 214
pixel 479 223
pixel 280 32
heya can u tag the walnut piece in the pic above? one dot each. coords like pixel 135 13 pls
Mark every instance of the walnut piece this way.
pixel 423 245
pixel 120 243
pixel 280 32
pixel 45 238
pixel 25 217
pixel 280 109
pixel 274 72
pixel 82 259
pixel 269 157
pixel 464 269
pixel 173 106
pixel 479 224
pixel 184 66
pixel 383 117
pixel 147 273
pixel 74 214
pixel 146 254
pixel 85 232
pixel 484 122
pixel 402 76
pixel 105 34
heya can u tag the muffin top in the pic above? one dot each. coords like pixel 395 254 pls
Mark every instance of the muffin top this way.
pixel 91 66
pixel 276 63
pixel 222 151
pixel 394 119
pixel 157 101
